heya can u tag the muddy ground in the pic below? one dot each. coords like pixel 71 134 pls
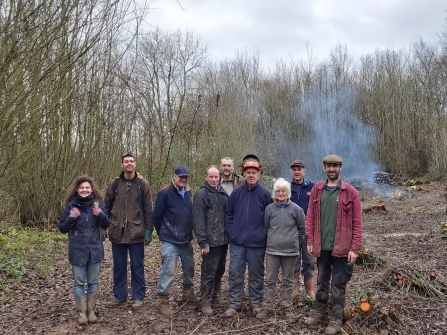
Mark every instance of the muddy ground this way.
pixel 406 239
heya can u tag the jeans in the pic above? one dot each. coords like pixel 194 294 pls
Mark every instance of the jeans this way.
pixel 272 264
pixel 240 256
pixel 341 273
pixel 170 253
pixel 212 270
pixel 137 281
pixel 305 261
pixel 85 274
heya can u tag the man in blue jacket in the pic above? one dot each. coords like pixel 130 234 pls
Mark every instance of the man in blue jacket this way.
pixel 172 218
pixel 244 224
pixel 301 188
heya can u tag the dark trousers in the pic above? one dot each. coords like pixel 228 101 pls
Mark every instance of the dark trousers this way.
pixel 212 270
pixel 305 262
pixel 331 293
pixel 137 282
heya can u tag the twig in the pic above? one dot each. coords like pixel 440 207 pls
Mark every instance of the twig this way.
pixel 244 329
pixel 198 326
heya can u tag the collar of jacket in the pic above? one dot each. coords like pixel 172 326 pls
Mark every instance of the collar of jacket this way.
pixel 136 175
pixel 286 204
pixel 321 184
pixel 305 182
pixel 187 188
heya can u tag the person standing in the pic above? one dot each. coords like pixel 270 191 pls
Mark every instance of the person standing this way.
pixel 83 217
pixel 129 203
pixel 244 224
pixel 172 219
pixel 301 188
pixel 209 227
pixel 285 223
pixel 334 236
pixel 228 179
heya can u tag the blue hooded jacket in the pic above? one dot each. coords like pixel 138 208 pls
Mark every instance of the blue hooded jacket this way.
pixel 244 215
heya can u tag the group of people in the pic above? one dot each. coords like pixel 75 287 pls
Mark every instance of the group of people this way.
pixel 263 230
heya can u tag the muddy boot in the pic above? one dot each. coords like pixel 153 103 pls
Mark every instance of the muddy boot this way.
pixel 188 295
pixel 163 306
pixel 81 308
pixel 316 316
pixel 296 283
pixel 333 327
pixel 264 313
pixel 205 306
pixel 287 312
pixel 336 320
pixel 309 286
pixel 91 303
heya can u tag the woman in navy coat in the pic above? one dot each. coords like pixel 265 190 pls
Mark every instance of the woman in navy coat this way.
pixel 83 218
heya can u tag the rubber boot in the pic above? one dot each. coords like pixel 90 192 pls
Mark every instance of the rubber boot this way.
pixel 163 306
pixel 91 303
pixel 188 295
pixel 81 307
pixel 309 287
pixel 205 306
pixel 296 283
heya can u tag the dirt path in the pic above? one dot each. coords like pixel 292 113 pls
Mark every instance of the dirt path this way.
pixel 407 236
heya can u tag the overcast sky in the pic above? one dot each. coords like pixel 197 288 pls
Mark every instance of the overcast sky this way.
pixel 280 29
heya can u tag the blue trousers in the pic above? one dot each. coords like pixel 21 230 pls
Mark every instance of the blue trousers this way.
pixel 240 257
pixel 170 253
pixel 85 274
pixel 137 281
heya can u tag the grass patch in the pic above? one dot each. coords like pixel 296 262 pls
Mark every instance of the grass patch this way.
pixel 28 249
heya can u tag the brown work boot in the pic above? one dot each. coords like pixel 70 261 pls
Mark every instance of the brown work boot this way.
pixel 296 283
pixel 309 287
pixel 163 306
pixel 255 311
pixel 115 303
pixel 91 303
pixel 188 295
pixel 264 313
pixel 205 307
pixel 287 312
pixel 137 304
pixel 81 308
pixel 316 316
pixel 230 312
pixel 333 327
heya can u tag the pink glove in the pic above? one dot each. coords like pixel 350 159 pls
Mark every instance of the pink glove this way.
pixel 75 213
pixel 96 211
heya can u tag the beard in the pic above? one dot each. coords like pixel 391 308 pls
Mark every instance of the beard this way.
pixel 333 175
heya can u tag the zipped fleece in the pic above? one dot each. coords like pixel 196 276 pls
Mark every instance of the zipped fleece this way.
pixel 172 215
pixel 348 234
pixel 244 216
pixel 209 216
pixel 285 229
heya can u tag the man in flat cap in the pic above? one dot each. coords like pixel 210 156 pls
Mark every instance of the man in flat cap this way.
pixel 244 224
pixel 304 264
pixel 172 218
pixel 334 236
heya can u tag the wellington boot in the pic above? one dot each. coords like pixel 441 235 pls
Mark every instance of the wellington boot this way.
pixel 309 287
pixel 296 283
pixel 333 327
pixel 163 306
pixel 91 304
pixel 81 308
pixel 188 295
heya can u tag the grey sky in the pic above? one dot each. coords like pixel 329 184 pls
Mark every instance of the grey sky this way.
pixel 281 29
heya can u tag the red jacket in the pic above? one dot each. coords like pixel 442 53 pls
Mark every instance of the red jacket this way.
pixel 348 234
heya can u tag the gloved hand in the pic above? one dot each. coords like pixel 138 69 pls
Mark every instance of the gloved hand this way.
pixel 104 234
pixel 96 211
pixel 148 238
pixel 75 213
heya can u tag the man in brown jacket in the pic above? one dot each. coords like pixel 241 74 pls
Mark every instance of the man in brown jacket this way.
pixel 129 205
